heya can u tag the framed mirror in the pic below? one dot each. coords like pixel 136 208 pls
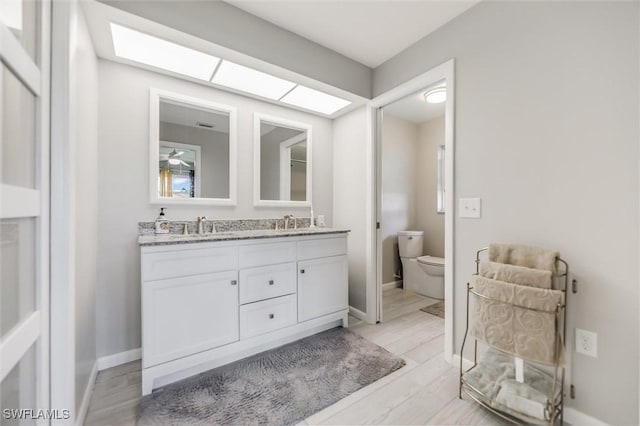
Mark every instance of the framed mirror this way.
pixel 192 150
pixel 282 162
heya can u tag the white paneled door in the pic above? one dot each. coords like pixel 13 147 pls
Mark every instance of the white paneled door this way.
pixel 24 211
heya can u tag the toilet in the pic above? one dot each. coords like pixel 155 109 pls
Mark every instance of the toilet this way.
pixel 421 274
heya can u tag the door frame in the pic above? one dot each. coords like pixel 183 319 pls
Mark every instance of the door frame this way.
pixel 23 202
pixel 444 71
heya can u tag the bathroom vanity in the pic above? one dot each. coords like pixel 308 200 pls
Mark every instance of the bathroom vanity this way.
pixel 208 300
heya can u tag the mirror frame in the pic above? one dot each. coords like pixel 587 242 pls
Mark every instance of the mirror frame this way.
pixel 258 119
pixel 155 96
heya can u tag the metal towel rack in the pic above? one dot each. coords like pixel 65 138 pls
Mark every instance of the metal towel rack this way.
pixel 554 409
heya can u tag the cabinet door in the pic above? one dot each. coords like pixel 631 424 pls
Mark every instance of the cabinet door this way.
pixel 183 316
pixel 322 287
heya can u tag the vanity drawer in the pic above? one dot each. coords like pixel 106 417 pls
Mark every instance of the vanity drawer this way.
pixel 325 247
pixel 267 282
pixel 181 263
pixel 267 254
pixel 269 315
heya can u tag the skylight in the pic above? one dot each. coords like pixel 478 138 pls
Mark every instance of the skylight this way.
pixel 153 51
pixel 315 100
pixel 159 53
pixel 251 81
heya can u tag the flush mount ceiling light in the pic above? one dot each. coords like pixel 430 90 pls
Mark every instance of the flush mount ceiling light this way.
pixel 437 95
pixel 251 81
pixel 314 100
pixel 159 53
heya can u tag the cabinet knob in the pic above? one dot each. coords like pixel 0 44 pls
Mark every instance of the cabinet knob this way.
pixel 234 282
pixel 270 282
pixel 271 316
pixel 302 271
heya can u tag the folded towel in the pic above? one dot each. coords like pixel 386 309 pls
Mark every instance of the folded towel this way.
pixel 521 255
pixel 516 274
pixel 524 398
pixel 494 377
pixel 504 322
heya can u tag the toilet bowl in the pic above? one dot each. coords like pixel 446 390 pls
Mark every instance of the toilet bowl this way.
pixel 421 274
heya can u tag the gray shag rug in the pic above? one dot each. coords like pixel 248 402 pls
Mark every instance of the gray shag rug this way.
pixel 436 309
pixel 281 386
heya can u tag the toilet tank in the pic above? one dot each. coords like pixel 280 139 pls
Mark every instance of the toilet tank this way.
pixel 410 243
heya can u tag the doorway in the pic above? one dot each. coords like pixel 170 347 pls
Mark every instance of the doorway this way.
pixel 412 214
pixel 442 75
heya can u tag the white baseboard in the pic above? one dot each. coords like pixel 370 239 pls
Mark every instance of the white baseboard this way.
pixel 466 363
pixel 109 361
pixel 86 399
pixel 357 313
pixel 392 284
pixel 571 415
pixel 575 417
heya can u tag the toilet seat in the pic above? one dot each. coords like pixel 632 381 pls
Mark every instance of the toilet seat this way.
pixel 431 260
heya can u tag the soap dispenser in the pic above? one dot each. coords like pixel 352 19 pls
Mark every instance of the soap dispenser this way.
pixel 162 224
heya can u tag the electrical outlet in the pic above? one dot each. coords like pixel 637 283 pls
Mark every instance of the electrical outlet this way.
pixel 586 343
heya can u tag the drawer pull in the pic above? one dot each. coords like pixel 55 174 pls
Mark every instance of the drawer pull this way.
pixel 270 282
pixel 271 316
pixel 302 271
pixel 234 282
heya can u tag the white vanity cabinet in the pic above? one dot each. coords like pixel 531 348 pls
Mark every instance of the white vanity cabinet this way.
pixel 188 315
pixel 208 304
pixel 322 271
pixel 321 288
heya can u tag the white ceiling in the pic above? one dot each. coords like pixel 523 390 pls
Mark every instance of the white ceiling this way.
pixel 415 109
pixel 367 31
pixel 185 116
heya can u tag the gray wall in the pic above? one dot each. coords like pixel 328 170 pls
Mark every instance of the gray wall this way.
pixel 349 197
pixel 430 137
pixel 547 135
pixel 214 151
pixel 123 186
pixel 399 195
pixel 228 26
pixel 84 109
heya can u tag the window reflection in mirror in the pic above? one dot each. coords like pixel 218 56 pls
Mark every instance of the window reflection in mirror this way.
pixel 284 167
pixel 192 150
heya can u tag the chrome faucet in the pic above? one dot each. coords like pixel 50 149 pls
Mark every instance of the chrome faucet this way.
pixel 286 220
pixel 201 221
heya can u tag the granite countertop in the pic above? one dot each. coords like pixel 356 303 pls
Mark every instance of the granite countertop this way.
pixel 166 239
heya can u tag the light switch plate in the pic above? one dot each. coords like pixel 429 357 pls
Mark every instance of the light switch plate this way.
pixel 470 208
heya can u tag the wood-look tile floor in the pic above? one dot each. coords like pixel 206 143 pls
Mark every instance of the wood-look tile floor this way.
pixel 425 391
pixel 396 302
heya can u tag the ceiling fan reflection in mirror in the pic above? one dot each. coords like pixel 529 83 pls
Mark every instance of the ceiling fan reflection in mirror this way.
pixel 174 158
